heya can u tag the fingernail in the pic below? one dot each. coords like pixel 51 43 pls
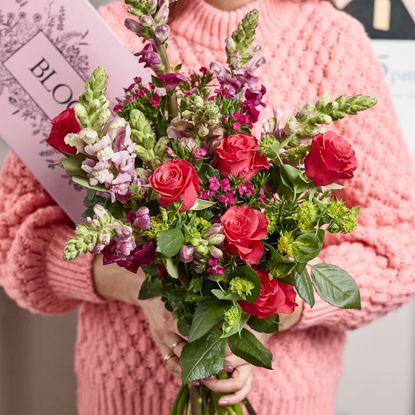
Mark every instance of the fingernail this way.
pixel 223 402
pixel 196 383
pixel 229 368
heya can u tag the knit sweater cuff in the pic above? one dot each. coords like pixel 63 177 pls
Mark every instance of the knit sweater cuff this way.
pixel 321 314
pixel 69 280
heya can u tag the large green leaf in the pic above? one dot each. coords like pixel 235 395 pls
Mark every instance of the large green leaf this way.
pixel 308 247
pixel 203 358
pixel 293 178
pixel 150 288
pixel 72 165
pixel 84 182
pixel 171 267
pixel 335 286
pixel 201 204
pixel 249 348
pixel 264 325
pixel 170 242
pixel 247 273
pixel 304 286
pixel 207 315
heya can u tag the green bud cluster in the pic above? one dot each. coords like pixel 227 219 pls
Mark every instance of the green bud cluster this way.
pixel 142 7
pixel 269 146
pixel 306 216
pixel 92 110
pixel 241 41
pixel 307 121
pixel 241 286
pixel 340 217
pixel 98 231
pixel 196 285
pixel 232 318
pixel 286 244
pixel 147 148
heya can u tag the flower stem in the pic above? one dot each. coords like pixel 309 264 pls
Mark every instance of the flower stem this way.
pixel 195 400
pixel 172 107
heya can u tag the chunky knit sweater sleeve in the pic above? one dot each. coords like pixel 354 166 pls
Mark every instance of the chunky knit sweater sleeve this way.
pixel 380 254
pixel 33 232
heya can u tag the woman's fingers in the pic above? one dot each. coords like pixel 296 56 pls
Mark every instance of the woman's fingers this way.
pixel 235 383
pixel 238 396
pixel 171 346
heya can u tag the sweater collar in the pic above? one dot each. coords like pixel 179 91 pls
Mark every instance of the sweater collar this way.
pixel 207 25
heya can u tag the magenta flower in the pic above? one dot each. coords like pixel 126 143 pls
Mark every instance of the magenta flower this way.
pixel 142 255
pixel 214 184
pixel 148 55
pixel 172 79
pixel 225 184
pixel 186 253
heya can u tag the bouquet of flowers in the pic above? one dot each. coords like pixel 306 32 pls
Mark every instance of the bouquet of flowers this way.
pixel 223 223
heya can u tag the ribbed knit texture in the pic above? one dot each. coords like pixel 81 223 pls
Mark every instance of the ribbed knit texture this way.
pixel 310 48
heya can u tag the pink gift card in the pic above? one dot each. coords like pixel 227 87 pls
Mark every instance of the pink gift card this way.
pixel 48 48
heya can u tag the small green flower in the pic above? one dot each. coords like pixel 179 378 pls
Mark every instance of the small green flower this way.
pixel 232 318
pixel 241 286
pixel 196 285
pixel 306 216
pixel 269 146
pixel 286 245
pixel 342 218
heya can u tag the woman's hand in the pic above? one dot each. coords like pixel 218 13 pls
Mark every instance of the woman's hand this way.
pixel 239 384
pixel 115 283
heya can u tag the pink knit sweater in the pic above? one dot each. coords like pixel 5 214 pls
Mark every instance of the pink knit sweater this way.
pixel 310 48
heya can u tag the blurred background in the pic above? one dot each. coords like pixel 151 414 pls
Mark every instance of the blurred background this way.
pixel 36 353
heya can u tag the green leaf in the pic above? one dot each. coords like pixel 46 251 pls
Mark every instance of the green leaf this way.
pixel 72 165
pixel 335 286
pixel 201 204
pixel 308 247
pixel 171 267
pixel 84 182
pixel 293 178
pixel 150 288
pixel 207 315
pixel 264 325
pixel 223 296
pixel 248 347
pixel 304 286
pixel 203 358
pixel 247 273
pixel 170 242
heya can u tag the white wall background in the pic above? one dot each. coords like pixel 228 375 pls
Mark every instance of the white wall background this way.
pixel 36 353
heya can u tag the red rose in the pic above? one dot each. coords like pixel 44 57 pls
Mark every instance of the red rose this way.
pixel 238 155
pixel 175 181
pixel 331 158
pixel 62 125
pixel 274 298
pixel 244 228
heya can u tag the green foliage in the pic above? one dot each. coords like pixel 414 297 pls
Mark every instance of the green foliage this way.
pixel 304 287
pixel 207 315
pixel 335 286
pixel 150 288
pixel 264 325
pixel 246 346
pixel 204 357
pixel 169 242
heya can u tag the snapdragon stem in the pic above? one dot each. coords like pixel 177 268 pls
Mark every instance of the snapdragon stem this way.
pixel 172 107
pixel 195 400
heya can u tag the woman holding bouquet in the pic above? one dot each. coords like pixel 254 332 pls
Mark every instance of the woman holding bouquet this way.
pixel 127 350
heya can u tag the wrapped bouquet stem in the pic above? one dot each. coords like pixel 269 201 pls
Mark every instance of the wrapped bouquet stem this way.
pixel 223 223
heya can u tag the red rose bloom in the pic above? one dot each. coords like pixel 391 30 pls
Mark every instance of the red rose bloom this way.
pixel 274 298
pixel 62 125
pixel 176 181
pixel 238 155
pixel 331 158
pixel 244 228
